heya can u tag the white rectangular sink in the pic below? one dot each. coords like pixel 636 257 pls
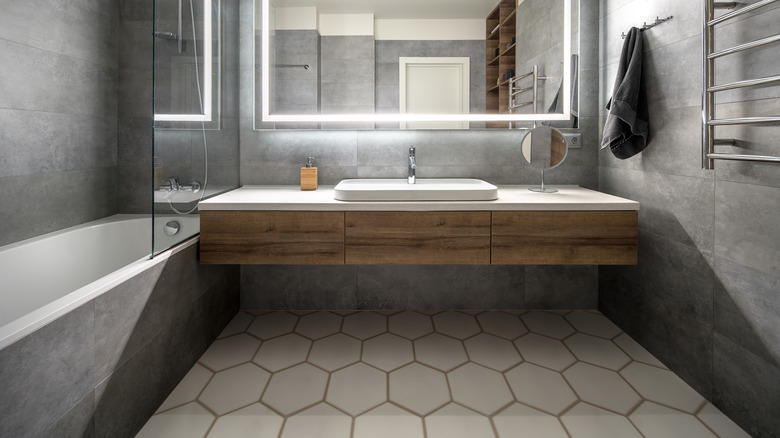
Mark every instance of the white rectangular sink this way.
pixel 431 189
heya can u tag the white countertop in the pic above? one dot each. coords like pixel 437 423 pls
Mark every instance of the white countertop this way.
pixel 510 198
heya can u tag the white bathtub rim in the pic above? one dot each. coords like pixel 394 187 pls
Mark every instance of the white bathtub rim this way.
pixel 27 324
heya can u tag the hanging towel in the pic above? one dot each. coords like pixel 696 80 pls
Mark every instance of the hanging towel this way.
pixel 556 107
pixel 627 126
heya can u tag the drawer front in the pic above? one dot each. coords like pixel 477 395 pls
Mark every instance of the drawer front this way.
pixel 565 237
pixel 418 238
pixel 272 237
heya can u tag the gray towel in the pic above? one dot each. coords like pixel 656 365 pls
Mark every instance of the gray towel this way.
pixel 556 107
pixel 627 127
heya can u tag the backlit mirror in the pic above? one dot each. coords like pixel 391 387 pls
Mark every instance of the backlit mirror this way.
pixel 406 64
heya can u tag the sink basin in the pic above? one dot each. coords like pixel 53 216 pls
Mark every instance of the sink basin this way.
pixel 445 189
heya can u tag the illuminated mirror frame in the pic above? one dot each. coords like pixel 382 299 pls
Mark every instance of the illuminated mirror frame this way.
pixel 207 61
pixel 265 106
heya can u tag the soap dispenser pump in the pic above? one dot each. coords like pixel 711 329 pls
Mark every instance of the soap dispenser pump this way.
pixel 309 176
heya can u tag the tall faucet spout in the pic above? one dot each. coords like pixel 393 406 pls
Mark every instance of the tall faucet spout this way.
pixel 412 167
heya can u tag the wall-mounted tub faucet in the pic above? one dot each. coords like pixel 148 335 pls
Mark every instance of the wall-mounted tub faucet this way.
pixel 412 166
pixel 173 185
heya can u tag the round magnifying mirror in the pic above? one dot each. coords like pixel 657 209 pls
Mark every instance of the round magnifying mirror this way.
pixel 544 148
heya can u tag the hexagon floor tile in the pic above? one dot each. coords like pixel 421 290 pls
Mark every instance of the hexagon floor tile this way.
pixel 541 388
pixel 602 387
pixel 440 352
pixel 502 324
pixel 282 352
pixel 419 388
pixel 479 388
pixel 455 421
pixel 295 388
pixel 587 421
pixel 319 420
pixel 520 421
pixel 388 351
pixel 371 374
pixel 410 325
pixel 190 420
pixel 364 325
pixel 597 351
pixel 253 421
pixel 548 324
pixel 492 352
pixel 388 421
pixel 544 351
pixel 228 352
pixel 656 421
pixel 357 388
pixel 271 325
pixel 456 324
pixel 335 351
pixel 318 325
pixel 234 388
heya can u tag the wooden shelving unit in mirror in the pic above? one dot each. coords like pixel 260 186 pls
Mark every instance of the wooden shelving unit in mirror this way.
pixel 500 36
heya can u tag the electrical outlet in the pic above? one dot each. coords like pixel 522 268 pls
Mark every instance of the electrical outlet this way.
pixel 573 139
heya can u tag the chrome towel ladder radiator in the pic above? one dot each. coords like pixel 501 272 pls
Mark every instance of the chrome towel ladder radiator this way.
pixel 709 122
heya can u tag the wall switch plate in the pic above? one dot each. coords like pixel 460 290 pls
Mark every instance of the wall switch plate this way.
pixel 573 139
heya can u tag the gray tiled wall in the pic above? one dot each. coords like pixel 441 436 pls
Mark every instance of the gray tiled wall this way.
pixel 704 296
pixel 58 111
pixel 102 369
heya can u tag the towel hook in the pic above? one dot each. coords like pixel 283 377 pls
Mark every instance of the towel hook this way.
pixel 645 26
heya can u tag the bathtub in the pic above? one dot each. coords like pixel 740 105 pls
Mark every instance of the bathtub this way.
pixel 45 277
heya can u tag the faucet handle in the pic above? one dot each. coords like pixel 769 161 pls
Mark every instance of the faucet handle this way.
pixel 411 150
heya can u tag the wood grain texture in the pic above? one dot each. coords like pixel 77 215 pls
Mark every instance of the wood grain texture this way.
pixel 418 238
pixel 272 237
pixel 565 238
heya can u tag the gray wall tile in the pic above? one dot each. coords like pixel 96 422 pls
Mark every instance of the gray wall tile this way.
pixel 46 373
pixel 77 422
pixel 440 287
pixel 561 287
pixel 298 287
pixel 746 230
pixel 746 308
pixel 55 83
pixel 746 388
pixel 42 203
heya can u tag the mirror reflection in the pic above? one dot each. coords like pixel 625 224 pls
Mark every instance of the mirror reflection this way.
pixel 544 147
pixel 402 64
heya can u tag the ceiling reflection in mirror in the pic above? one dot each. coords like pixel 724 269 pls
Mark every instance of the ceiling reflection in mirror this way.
pixel 403 64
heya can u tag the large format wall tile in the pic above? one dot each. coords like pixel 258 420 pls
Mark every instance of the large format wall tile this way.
pixel 676 207
pixel 746 388
pixel 747 303
pixel 46 373
pixel 30 202
pixel 746 230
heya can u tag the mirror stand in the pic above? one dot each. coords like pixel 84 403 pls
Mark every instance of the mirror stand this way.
pixel 542 188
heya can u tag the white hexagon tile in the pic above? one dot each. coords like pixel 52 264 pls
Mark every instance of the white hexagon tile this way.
pixel 429 374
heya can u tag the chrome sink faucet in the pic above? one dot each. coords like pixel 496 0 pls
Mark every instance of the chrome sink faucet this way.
pixel 412 166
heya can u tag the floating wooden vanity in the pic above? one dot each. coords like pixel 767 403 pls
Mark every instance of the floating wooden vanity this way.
pixel 282 225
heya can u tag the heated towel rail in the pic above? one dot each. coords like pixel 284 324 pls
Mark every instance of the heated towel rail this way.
pixel 709 122
pixel 514 91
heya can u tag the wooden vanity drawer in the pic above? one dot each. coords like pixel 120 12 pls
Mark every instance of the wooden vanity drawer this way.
pixel 564 237
pixel 272 237
pixel 417 238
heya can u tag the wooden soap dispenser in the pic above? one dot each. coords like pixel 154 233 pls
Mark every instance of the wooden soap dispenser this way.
pixel 309 176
